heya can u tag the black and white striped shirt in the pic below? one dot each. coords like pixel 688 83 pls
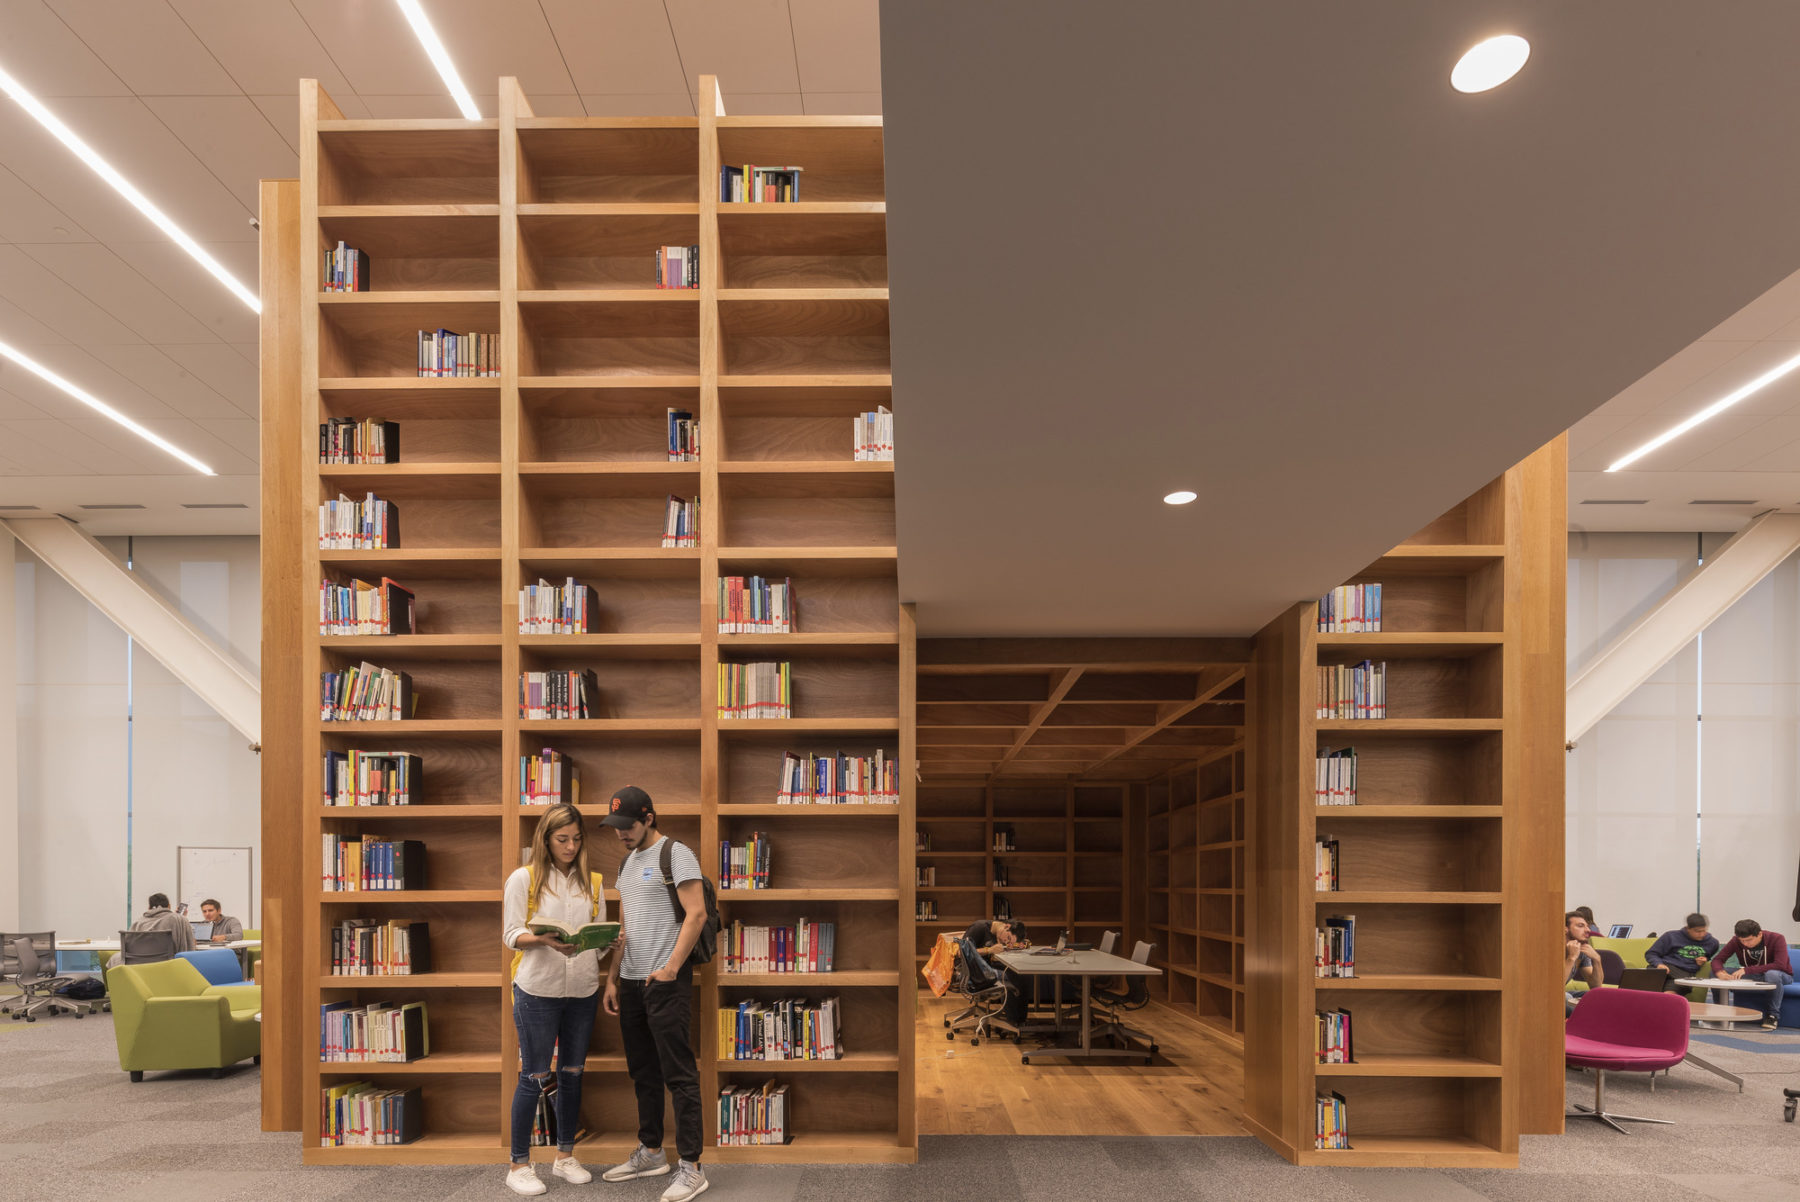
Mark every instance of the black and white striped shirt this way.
pixel 651 925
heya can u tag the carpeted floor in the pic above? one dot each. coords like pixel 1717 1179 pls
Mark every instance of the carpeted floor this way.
pixel 73 1127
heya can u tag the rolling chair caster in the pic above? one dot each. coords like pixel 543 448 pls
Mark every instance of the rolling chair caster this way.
pixel 1793 1100
pixel 1025 1060
pixel 974 1041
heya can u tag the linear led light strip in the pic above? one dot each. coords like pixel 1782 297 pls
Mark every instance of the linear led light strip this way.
pixel 102 408
pixel 440 58
pixel 1713 410
pixel 125 188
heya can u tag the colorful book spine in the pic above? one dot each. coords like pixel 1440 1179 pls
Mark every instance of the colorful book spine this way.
pixel 546 608
pixel 548 778
pixel 1352 691
pixel 872 436
pixel 759 691
pixel 755 605
pixel 1335 780
pixel 684 437
pixel 681 523
pixel 444 354
pixel 678 267
pixel 1351 609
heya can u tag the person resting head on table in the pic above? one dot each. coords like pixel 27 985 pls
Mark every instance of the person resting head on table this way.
pixel 993 936
pixel 224 930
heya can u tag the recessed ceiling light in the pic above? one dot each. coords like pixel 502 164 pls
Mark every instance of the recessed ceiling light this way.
pixel 1181 498
pixel 102 408
pixel 1489 64
pixel 440 57
pixel 125 188
pixel 1713 410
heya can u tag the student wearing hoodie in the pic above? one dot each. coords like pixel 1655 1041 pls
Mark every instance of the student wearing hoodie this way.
pixel 1681 953
pixel 160 918
pixel 1762 956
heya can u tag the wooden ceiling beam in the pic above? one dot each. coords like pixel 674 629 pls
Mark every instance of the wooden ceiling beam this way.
pixel 1060 684
pixel 1211 683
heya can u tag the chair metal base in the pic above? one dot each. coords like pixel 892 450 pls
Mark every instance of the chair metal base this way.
pixel 1599 1111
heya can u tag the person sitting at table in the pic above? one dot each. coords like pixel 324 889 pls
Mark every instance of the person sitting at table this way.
pixel 1681 953
pixel 160 918
pixel 224 930
pixel 1761 956
pixel 990 937
pixel 1580 961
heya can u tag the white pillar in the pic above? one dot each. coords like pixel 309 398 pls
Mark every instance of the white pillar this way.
pixel 10 834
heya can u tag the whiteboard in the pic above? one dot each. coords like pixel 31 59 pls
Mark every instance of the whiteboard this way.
pixel 218 872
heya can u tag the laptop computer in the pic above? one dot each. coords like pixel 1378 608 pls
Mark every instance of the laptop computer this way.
pixel 202 931
pixel 1620 930
pixel 1650 980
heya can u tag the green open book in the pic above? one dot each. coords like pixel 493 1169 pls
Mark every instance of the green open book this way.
pixel 591 937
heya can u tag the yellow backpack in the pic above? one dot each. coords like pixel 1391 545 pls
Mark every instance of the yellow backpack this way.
pixel 595 883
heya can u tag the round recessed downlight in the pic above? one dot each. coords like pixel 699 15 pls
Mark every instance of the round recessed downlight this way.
pixel 1489 64
pixel 1183 497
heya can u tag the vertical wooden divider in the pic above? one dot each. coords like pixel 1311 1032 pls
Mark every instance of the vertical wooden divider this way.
pixel 906 938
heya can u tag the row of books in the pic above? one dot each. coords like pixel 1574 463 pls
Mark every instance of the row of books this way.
pixel 543 1123
pixel 1353 690
pixel 1333 1131
pixel 364 947
pixel 1335 784
pixel 365 693
pixel 838 780
pixel 750 184
pixel 1005 839
pixel 566 695
pixel 546 608
pixel 359 440
pixel 1325 865
pixel 443 353
pixel 1334 947
pixel 548 778
pixel 684 437
pixel 374 1032
pixel 1351 609
pixel 803 947
pixel 370 524
pixel 681 523
pixel 358 607
pixel 1003 909
pixel 1002 879
pixel 787 1029
pixel 752 1115
pixel 925 877
pixel 921 839
pixel 678 267
pixel 360 1114
pixel 925 911
pixel 1331 1037
pixel 370 778
pixel 745 865
pixel 346 269
pixel 759 690
pixel 872 436
pixel 376 865
pixel 755 605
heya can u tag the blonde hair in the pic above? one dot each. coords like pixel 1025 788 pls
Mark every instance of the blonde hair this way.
pixel 543 862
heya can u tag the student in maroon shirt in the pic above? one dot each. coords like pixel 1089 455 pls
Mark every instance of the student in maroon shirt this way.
pixel 1763 956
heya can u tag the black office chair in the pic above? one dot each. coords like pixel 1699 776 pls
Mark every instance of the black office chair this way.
pixel 1612 966
pixel 986 997
pixel 36 978
pixel 146 947
pixel 1110 1006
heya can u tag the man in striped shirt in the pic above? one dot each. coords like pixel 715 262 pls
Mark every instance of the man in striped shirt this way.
pixel 650 989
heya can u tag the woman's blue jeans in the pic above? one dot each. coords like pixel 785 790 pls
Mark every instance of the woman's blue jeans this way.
pixel 550 1026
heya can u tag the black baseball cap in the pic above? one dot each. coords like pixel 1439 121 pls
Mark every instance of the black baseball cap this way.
pixel 629 805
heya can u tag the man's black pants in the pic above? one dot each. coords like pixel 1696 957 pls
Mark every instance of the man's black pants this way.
pixel 655 1019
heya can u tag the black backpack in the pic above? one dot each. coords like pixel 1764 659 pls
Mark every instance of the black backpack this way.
pixel 707 945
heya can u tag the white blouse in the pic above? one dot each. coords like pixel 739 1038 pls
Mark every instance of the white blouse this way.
pixel 544 971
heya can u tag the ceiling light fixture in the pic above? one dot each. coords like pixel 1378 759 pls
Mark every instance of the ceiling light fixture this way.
pixel 1713 410
pixel 102 408
pixel 125 188
pixel 440 58
pixel 1183 497
pixel 1489 64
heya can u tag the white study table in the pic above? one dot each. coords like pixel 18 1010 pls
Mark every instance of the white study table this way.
pixel 1087 965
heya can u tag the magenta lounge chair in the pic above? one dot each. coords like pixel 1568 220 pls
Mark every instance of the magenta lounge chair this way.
pixel 1624 1030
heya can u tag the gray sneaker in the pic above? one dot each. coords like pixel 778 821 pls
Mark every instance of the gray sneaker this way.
pixel 645 1162
pixel 690 1182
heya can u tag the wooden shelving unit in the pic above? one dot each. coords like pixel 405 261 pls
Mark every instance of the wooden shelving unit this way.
pixel 543 231
pixel 1442 861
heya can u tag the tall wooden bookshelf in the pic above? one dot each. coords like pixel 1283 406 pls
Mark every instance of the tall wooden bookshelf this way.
pixel 1444 862
pixel 543 230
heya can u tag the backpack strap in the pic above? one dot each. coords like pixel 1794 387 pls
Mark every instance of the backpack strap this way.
pixel 668 876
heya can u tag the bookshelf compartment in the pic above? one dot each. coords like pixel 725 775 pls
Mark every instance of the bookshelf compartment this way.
pixel 857 1107
pixel 457 423
pixel 409 166
pixel 1430 686
pixel 1179 989
pixel 1418 1026
pixel 587 251
pixel 1044 913
pixel 1097 872
pixel 1013 802
pixel 865 930
pixel 834 604
pixel 461 1022
pixel 460 853
pixel 606 852
pixel 632 597
pixel 804 337
pixel 1407 855
pixel 1478 520
pixel 1413 1111
pixel 465 937
pixel 1419 601
pixel 1099 801
pixel 1032 872
pixel 830 687
pixel 460 771
pixel 664 765
pixel 1214 999
pixel 815 853
pixel 801 510
pixel 1389 938
pixel 420 252
pixel 1413 770
pixel 611 337
pixel 773 248
pixel 952 801
pixel 643 162
pixel 841 159
pixel 1102 836
pixel 600 425
pixel 750 763
pixel 367 337
pixel 443 603
pixel 959 873
pixel 603 511
pixel 868 1018
pixel 822 433
pixel 449 511
pixel 629 688
pixel 443 689
pixel 1215 912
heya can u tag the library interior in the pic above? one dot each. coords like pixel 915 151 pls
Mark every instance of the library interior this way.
pixel 570 759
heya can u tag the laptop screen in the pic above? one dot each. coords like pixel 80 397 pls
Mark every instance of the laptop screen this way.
pixel 202 930
pixel 1620 931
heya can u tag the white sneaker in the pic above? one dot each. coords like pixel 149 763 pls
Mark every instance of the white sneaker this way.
pixel 690 1182
pixel 570 1170
pixel 645 1162
pixel 523 1179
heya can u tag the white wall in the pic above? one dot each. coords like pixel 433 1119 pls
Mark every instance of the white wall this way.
pixel 193 781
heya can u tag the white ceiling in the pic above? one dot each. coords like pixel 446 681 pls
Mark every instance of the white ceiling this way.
pixel 195 100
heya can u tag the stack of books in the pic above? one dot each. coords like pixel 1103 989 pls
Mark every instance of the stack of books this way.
pixel 1325 865
pixel 803 947
pixel 753 1115
pixel 365 693
pixel 350 440
pixel 755 605
pixel 745 865
pixel 363 947
pixel 1353 690
pixel 921 839
pixel 872 436
pixel 759 185
pixel 358 607
pixel 1003 909
pixel 925 877
pixel 1004 839
pixel 925 911
pixel 678 267
pixel 367 525
pixel 370 778
pixel 1334 1122
pixel 684 437
pixel 1334 947
pixel 380 865
pixel 444 354
pixel 1331 1035
pixel 1336 783
pixel 360 1114
pixel 573 694
pixel 761 691
pixel 786 1029
pixel 548 778
pixel 1351 609
pixel 546 608
pixel 346 269
pixel 838 780
pixel 681 525
pixel 1001 879
pixel 376 1033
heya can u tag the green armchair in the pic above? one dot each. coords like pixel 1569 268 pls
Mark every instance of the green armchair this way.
pixel 165 1016
pixel 1631 951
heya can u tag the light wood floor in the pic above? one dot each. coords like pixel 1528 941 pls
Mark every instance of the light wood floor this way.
pixel 1194 1087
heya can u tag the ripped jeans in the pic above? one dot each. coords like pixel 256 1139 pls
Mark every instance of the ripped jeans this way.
pixel 559 1026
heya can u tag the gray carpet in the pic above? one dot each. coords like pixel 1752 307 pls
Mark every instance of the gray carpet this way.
pixel 73 1127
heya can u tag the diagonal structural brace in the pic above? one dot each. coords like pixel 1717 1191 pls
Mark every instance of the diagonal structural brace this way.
pixel 229 688
pixel 1654 639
